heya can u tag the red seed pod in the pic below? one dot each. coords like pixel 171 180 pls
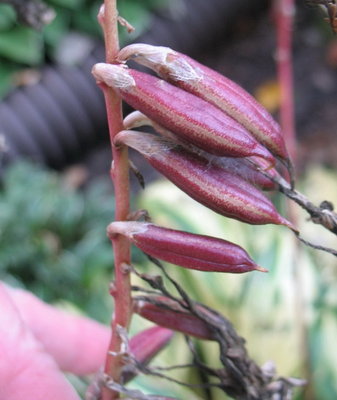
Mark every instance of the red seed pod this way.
pixel 221 191
pixel 145 345
pixel 247 168
pixel 200 252
pixel 213 87
pixel 185 114
pixel 167 313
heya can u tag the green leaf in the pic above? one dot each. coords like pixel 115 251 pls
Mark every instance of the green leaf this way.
pixel 7 17
pixel 23 45
pixel 57 248
pixel 86 21
pixel 6 73
pixel 322 341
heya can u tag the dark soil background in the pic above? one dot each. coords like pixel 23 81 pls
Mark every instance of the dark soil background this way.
pixel 249 59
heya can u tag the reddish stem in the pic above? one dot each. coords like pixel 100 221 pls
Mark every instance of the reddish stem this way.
pixel 111 30
pixel 120 177
pixel 284 23
pixel 285 10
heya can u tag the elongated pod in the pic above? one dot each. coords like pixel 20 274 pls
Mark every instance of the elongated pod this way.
pixel 185 114
pixel 225 193
pixel 145 345
pixel 248 168
pixel 200 252
pixel 169 314
pixel 208 84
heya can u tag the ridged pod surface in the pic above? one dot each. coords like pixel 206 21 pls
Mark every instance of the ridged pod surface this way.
pixel 248 168
pixel 221 191
pixel 200 252
pixel 196 78
pixel 185 114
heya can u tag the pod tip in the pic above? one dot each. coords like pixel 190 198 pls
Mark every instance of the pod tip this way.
pixel 261 269
pixel 289 225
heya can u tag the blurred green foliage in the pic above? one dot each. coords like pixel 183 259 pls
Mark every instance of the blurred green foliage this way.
pixel 265 308
pixel 53 242
pixel 23 47
pixel 53 239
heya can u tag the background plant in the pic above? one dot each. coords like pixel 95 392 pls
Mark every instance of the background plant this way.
pixel 56 245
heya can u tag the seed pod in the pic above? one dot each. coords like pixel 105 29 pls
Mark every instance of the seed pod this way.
pixel 213 87
pixel 248 168
pixel 169 314
pixel 225 193
pixel 188 116
pixel 200 252
pixel 145 345
pixel 148 343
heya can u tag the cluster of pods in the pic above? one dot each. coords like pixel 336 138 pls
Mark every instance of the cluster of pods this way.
pixel 212 140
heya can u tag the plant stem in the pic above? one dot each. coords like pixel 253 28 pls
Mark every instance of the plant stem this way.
pixel 285 10
pixel 120 177
pixel 111 30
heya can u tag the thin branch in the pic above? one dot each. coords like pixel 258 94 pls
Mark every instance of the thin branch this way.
pixel 285 11
pixel 322 215
pixel 241 378
pixel 132 363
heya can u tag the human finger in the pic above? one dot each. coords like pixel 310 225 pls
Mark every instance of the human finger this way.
pixel 26 370
pixel 77 344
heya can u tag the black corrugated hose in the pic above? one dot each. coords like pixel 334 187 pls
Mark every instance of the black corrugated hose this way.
pixel 62 117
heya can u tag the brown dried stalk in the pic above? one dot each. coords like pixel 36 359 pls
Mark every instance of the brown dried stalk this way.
pixel 322 215
pixel 240 377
